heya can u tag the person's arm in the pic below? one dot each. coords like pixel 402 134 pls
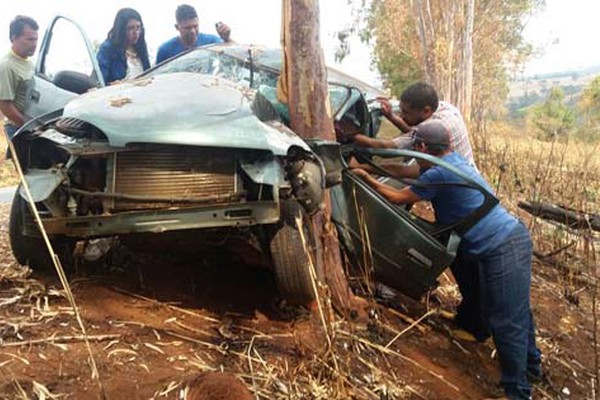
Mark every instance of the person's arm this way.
pixel 365 141
pixel 386 110
pixel 104 62
pixel 10 111
pixel 396 196
pixel 395 169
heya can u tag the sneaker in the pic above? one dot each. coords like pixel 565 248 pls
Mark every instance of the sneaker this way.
pixel 535 378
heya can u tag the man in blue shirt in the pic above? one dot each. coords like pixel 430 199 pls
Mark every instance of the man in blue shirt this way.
pixel 189 36
pixel 493 265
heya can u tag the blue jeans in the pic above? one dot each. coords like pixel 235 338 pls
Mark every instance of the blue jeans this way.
pixel 497 288
pixel 505 288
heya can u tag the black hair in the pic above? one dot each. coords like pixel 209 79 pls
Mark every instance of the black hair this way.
pixel 420 95
pixel 185 12
pixel 18 24
pixel 118 33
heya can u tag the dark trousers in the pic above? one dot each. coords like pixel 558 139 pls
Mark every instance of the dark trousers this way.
pixel 495 287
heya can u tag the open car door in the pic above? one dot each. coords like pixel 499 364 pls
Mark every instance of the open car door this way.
pixel 66 67
pixel 404 251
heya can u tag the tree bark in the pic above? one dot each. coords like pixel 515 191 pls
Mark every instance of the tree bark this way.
pixel 468 55
pixel 303 85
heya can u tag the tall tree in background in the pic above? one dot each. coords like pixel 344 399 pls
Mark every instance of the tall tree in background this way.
pixel 553 119
pixel 303 86
pixel 462 47
pixel 589 109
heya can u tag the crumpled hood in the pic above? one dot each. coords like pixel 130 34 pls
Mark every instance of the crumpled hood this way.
pixel 180 108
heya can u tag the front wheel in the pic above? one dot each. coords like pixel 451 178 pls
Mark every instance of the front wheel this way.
pixel 31 250
pixel 291 259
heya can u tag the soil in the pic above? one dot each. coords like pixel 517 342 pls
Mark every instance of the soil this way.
pixel 157 323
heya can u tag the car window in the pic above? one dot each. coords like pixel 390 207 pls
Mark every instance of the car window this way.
pixel 74 57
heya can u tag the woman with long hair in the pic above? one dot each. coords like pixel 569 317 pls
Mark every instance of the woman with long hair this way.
pixel 124 53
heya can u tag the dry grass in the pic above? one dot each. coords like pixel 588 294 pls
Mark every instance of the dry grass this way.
pixel 8 175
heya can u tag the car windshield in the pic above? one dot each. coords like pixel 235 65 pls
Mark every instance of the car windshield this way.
pixel 253 67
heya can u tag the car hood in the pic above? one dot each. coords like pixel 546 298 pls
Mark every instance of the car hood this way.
pixel 184 109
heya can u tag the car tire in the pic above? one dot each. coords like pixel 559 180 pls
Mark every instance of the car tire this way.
pixel 32 250
pixel 290 260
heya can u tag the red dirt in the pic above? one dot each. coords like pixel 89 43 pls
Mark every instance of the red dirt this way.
pixel 217 386
pixel 185 317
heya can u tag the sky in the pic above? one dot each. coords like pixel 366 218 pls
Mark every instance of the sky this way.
pixel 564 34
pixel 561 33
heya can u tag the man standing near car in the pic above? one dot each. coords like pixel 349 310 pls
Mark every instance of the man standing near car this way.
pixel 498 246
pixel 189 35
pixel 16 72
pixel 418 103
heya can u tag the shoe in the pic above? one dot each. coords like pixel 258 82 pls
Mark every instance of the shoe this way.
pixel 536 378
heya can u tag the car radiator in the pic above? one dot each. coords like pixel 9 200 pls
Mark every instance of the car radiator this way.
pixel 174 172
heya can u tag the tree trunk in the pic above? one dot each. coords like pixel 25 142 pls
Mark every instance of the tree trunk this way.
pixel 574 219
pixel 303 84
pixel 468 55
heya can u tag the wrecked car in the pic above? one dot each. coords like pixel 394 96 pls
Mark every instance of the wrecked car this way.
pixel 197 148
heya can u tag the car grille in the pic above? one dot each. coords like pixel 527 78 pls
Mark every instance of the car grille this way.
pixel 174 172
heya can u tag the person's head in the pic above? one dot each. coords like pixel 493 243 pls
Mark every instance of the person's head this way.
pixel 128 29
pixel 23 34
pixel 187 23
pixel 418 102
pixel 431 137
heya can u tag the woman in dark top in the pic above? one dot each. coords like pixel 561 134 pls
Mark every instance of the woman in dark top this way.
pixel 124 53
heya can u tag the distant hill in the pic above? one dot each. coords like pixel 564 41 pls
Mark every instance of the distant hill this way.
pixel 527 91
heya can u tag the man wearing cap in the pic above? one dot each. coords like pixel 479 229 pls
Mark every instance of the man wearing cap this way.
pixel 16 72
pixel 189 35
pixel 498 247
pixel 419 102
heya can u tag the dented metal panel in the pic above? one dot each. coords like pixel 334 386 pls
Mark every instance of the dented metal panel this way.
pixel 181 108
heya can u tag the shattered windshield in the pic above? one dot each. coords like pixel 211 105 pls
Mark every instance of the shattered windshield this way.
pixel 257 68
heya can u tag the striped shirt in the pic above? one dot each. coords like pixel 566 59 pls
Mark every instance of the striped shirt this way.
pixel 450 117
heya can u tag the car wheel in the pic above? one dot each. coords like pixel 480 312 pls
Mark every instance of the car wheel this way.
pixel 290 260
pixel 31 250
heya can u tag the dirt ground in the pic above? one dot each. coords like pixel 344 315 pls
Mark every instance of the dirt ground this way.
pixel 156 322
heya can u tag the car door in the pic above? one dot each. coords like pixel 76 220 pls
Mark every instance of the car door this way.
pixel 66 67
pixel 404 251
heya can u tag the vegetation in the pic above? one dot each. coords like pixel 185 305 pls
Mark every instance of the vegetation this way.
pixel 461 47
pixel 552 118
pixel 8 175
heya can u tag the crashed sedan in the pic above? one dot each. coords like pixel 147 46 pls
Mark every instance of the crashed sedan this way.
pixel 198 147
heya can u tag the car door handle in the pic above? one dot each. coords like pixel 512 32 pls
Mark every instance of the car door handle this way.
pixel 34 96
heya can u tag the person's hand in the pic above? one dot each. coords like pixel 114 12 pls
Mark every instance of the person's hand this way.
pixel 353 163
pixel 386 106
pixel 224 31
pixel 361 173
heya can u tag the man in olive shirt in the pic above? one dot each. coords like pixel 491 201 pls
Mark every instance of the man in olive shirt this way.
pixel 16 71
